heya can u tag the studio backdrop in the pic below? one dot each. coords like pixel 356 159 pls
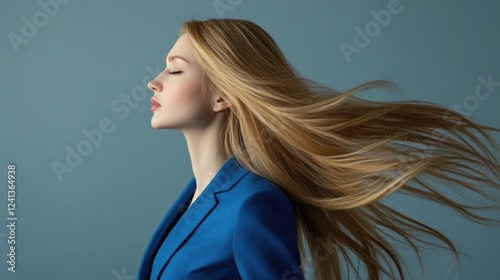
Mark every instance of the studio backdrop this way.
pixel 93 179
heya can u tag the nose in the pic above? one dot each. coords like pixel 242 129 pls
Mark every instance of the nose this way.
pixel 154 86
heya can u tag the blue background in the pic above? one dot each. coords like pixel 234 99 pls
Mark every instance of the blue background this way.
pixel 95 221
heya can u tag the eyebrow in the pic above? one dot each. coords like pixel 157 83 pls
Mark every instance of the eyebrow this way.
pixel 177 56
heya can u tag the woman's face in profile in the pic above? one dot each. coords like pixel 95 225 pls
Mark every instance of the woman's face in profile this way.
pixel 177 100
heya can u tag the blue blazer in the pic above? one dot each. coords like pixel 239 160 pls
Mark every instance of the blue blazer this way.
pixel 242 226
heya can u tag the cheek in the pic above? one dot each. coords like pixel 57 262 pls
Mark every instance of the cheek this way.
pixel 182 103
pixel 183 97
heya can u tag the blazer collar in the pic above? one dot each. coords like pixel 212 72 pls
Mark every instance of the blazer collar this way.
pixel 225 178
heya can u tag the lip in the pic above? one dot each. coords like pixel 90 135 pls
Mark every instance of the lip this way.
pixel 155 103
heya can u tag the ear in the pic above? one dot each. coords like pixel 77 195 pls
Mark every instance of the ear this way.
pixel 221 104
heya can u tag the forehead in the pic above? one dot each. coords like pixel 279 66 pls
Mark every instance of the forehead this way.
pixel 182 47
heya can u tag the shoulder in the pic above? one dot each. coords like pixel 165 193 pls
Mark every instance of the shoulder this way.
pixel 252 189
pixel 257 200
pixel 254 197
pixel 265 234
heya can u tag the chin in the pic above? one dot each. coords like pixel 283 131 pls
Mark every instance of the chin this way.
pixel 160 125
pixel 155 124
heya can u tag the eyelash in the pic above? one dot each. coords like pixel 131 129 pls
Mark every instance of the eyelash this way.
pixel 175 72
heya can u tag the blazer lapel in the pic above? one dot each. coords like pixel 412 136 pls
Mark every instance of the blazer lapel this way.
pixel 164 228
pixel 226 177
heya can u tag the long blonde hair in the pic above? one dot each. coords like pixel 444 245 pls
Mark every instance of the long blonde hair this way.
pixel 337 156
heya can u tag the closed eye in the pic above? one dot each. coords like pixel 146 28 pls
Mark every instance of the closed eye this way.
pixel 175 72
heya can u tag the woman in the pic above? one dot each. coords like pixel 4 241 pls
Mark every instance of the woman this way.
pixel 288 171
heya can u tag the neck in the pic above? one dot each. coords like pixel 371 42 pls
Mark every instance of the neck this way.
pixel 206 153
